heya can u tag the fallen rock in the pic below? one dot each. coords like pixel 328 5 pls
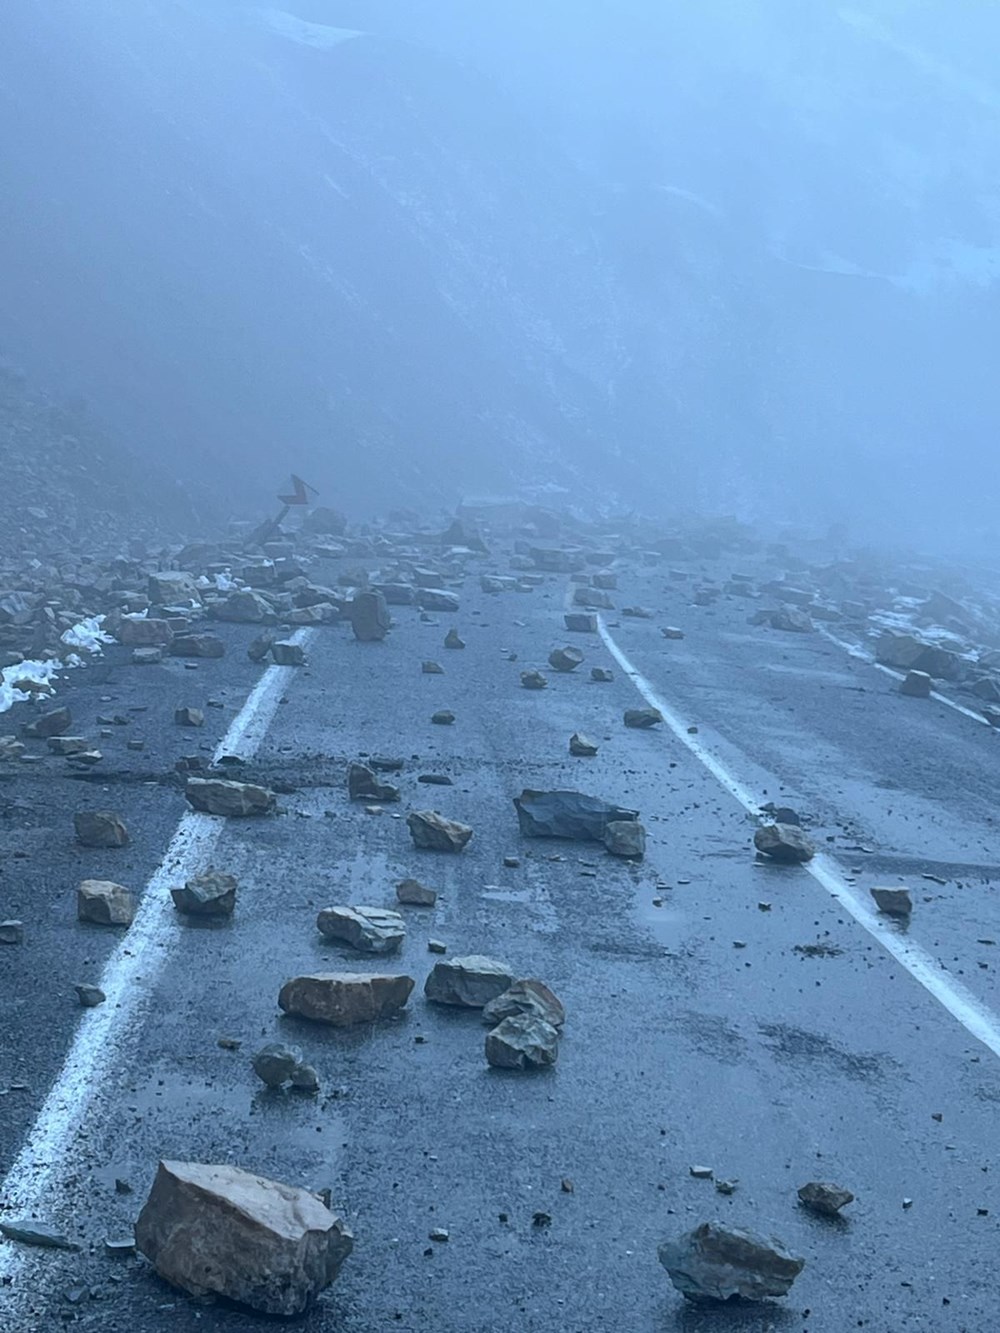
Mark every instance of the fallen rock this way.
pixel 904 652
pixel 67 745
pixel 625 837
pixel 566 814
pixel 144 632
pixel 436 599
pixel 432 669
pixel 470 982
pixel 369 616
pixel 791 620
pixel 100 828
pixel 367 929
pixel 715 1263
pixel 260 646
pixel 524 1041
pixel 444 717
pixel 363 785
pixel 286 653
pixel 275 1063
pixel 89 996
pixel 601 674
pixel 189 717
pixel 147 656
pixel 11 932
pixel 784 842
pixel 433 832
pixel 672 632
pixel 104 903
pixel 642 718
pixel 580 622
pixel 246 608
pixel 54 723
pixel 582 746
pixel 36 1233
pixel 916 685
pixel 453 639
pixel 197 645
pixel 415 894
pixel 437 946
pixel 533 680
pixel 593 598
pixel 259 1243
pixel 343 999
pixel 824 1198
pixel 219 796
pixel 893 902
pixel 526 997
pixel 210 894
pixel 565 659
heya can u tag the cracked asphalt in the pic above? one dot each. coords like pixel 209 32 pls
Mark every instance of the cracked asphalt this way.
pixel 721 1012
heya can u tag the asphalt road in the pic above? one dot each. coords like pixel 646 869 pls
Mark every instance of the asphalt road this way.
pixel 705 1026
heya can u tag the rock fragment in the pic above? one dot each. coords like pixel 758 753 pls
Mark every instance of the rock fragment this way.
pixel 715 1263
pixel 893 902
pixel 526 997
pixel 286 653
pixel 524 1041
pixel 470 982
pixel 100 828
pixel 363 785
pixel 444 717
pixel 275 1063
pixel 147 656
pixel 104 903
pixel 234 800
pixel 784 842
pixel 601 674
pixel 671 632
pixel 582 746
pixel 565 659
pixel 642 718
pixel 11 932
pixel 916 685
pixel 369 617
pixel 259 647
pixel 626 838
pixel 54 723
pixel 533 680
pixel 431 831
pixel 580 622
pixel 432 669
pixel 210 894
pixel 453 639
pixel 414 894
pixel 30 1232
pixel 265 1245
pixel 824 1198
pixel 189 717
pixel 197 645
pixel 89 996
pixel 367 929
pixel 343 999
pixel 566 814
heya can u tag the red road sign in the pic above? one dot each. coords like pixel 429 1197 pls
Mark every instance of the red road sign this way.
pixel 302 491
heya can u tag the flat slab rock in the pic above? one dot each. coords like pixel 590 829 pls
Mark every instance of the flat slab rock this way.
pixel 716 1263
pixel 470 982
pixel 367 929
pixel 220 1230
pixel 234 800
pixel 433 832
pixel 524 1041
pixel 784 842
pixel 567 814
pixel 343 999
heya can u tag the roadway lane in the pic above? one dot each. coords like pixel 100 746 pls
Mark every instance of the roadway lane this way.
pixel 698 1031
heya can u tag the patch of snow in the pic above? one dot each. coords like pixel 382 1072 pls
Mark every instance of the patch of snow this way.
pixel 87 635
pixel 35 672
pixel 321 36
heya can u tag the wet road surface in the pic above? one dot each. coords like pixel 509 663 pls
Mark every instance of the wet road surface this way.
pixel 720 1012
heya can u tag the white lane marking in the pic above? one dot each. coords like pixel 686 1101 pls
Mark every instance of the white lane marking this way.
pixel 853 650
pixel 129 977
pixel 977 1019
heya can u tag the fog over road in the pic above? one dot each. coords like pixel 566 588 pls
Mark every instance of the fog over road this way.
pixel 722 1011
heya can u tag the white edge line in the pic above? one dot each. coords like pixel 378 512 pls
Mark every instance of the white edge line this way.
pixel 131 972
pixel 977 1019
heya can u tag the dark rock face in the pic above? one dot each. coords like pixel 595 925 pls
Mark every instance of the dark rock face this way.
pixel 523 1041
pixel 824 1198
pixel 784 842
pixel 916 685
pixel 54 723
pixel 470 982
pixel 210 894
pixel 565 659
pixel 906 653
pixel 567 814
pixel 715 1263
pixel 893 902
pixel 217 796
pixel 100 828
pixel 369 617
pixel 641 719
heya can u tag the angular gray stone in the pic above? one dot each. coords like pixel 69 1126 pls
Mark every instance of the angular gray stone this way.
pixel 218 796
pixel 100 828
pixel 67 745
pixel 363 785
pixel 790 620
pixel 565 659
pixel 533 680
pixel 594 598
pixel 580 622
pixel 275 1063
pixel 89 996
pixel 367 929
pixel 432 669
pixel 453 639
pixel 824 1198
pixel 343 999
pixel 437 599
pixel 526 997
pixel 259 647
pixel 222 1231
pixel 245 608
pixel 210 894
pixel 189 717
pixel 104 903
pixel 415 894
pixel 916 685
pixel 784 842
pixel 715 1262
pixel 524 1041
pixel 672 632
pixel 582 746
pixel 566 814
pixel 444 717
pixel 433 832
pixel 601 674
pixel 11 932
pixel 642 718
pixel 904 652
pixel 893 902
pixel 625 837
pixel 30 1232
pixel 147 656
pixel 470 982
pixel 54 723
pixel 144 632
pixel 197 645
pixel 170 587
pixel 286 653
pixel 369 615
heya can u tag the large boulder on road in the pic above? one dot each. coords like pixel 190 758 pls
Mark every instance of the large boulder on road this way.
pixel 567 814
pixel 367 929
pixel 784 842
pixel 218 796
pixel 343 999
pixel 222 1231
pixel 433 832
pixel 716 1262
pixel 470 982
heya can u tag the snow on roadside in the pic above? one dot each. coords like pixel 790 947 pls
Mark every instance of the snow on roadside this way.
pixel 87 636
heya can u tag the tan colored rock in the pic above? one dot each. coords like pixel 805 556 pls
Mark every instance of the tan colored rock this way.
pixel 104 903
pixel 100 828
pixel 345 998
pixel 221 1230
pixel 432 831
pixel 217 796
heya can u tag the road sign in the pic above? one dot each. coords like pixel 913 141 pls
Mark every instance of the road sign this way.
pixel 301 491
